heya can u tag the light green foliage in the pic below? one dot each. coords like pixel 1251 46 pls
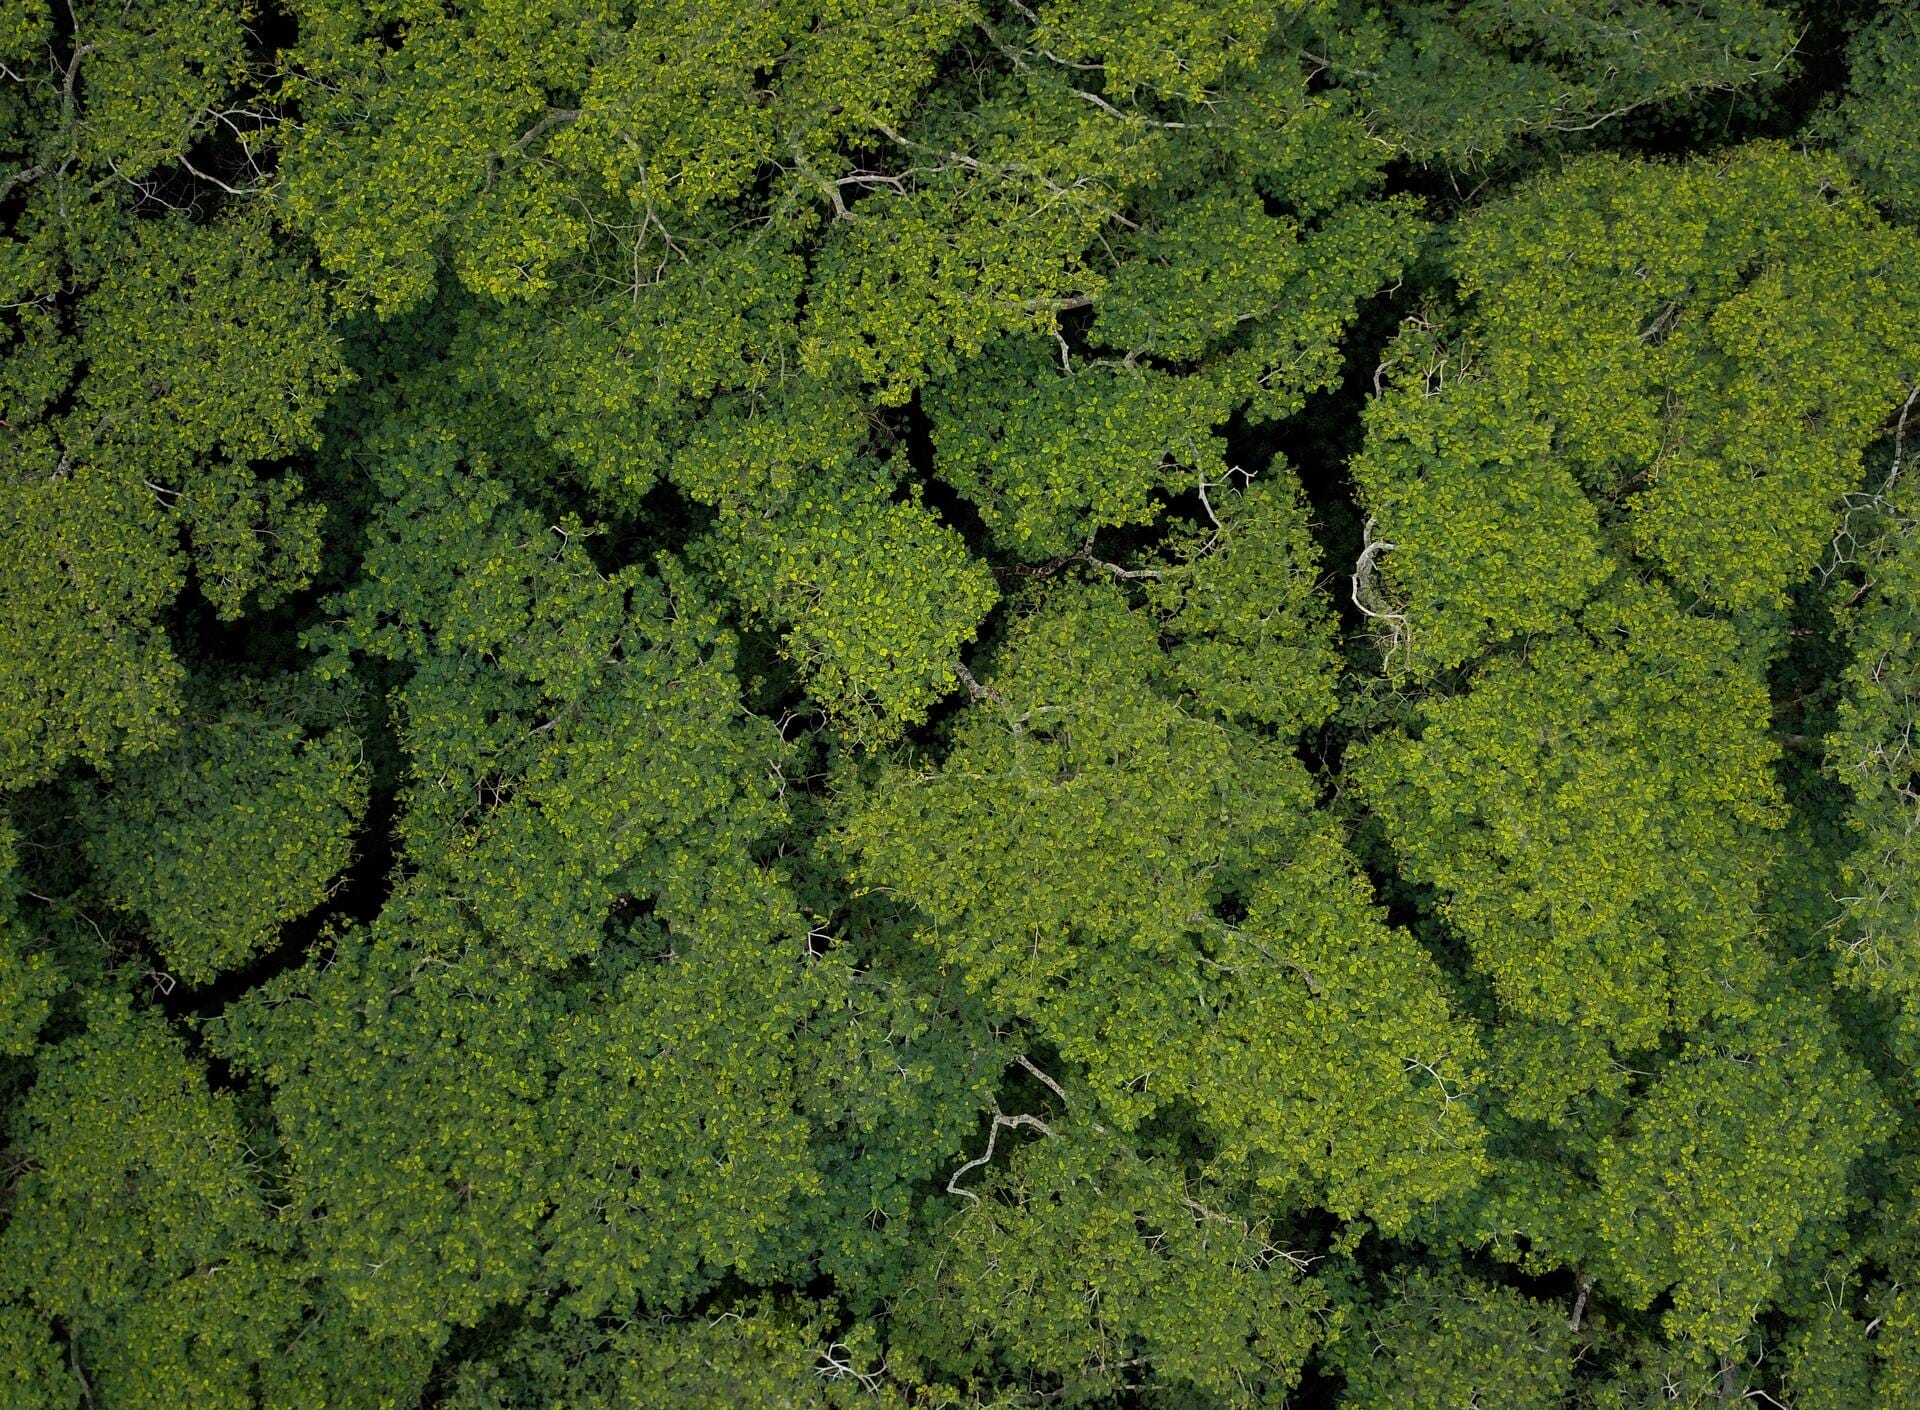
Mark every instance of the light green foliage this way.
pixel 407 1071
pixel 201 1336
pixel 153 73
pixel 1872 751
pixel 1076 752
pixel 896 1065
pixel 1460 83
pixel 1830 1363
pixel 24 25
pixel 668 119
pixel 1253 638
pixel 1899 1349
pixel 388 153
pixel 615 386
pixel 576 743
pixel 863 63
pixel 85 670
pixel 878 597
pixel 84 666
pixel 1217 262
pixel 752 453
pixel 1086 831
pixel 1051 449
pixel 1561 1075
pixel 1663 1376
pixel 756 1354
pixel 773 793
pixel 207 348
pixel 1086 1259
pixel 1481 532
pixel 1181 50
pixel 331 1360
pixel 239 828
pixel 530 138
pixel 573 736
pixel 1596 813
pixel 1302 147
pixel 675 1101
pixel 1872 125
pixel 1716 344
pixel 1277 362
pixel 33 1371
pixel 1445 1338
pixel 1724 337
pixel 993 239
pixel 1049 456
pixel 1252 255
pixel 1851 1344
pixel 872 595
pixel 202 350
pixel 1741 1143
pixel 29 980
pixel 1331 1062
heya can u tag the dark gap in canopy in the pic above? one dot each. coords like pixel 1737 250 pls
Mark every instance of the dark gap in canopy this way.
pixel 274 27
pixel 358 898
pixel 909 431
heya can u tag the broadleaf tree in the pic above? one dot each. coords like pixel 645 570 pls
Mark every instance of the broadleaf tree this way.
pixel 958 703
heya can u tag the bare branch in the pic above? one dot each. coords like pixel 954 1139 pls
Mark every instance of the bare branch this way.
pixel 1027 1063
pixel 230 190
pixel 1580 1304
pixel 1134 118
pixel 20 178
pixel 555 117
pixel 1000 1122
pixel 1061 305
pixel 1125 575
pixel 974 688
pixel 1371 606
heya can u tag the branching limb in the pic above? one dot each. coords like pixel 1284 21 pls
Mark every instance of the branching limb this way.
pixel 216 181
pixel 1125 575
pixel 1371 604
pixel 1001 1122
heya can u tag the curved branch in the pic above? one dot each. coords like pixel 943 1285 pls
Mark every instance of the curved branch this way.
pixel 1000 1122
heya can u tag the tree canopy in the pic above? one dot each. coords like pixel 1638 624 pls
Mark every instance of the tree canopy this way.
pixel 960 704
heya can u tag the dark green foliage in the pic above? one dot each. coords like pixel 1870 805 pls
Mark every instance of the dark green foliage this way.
pixel 959 704
pixel 1771 1108
pixel 1462 83
pixel 29 978
pixel 1871 124
pixel 1441 1338
pixel 1086 1264
pixel 1638 331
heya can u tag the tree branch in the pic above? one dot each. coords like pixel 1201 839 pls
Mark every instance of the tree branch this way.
pixel 1027 1063
pixel 974 688
pixel 1000 1122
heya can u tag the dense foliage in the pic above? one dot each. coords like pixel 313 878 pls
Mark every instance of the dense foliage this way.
pixel 959 703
